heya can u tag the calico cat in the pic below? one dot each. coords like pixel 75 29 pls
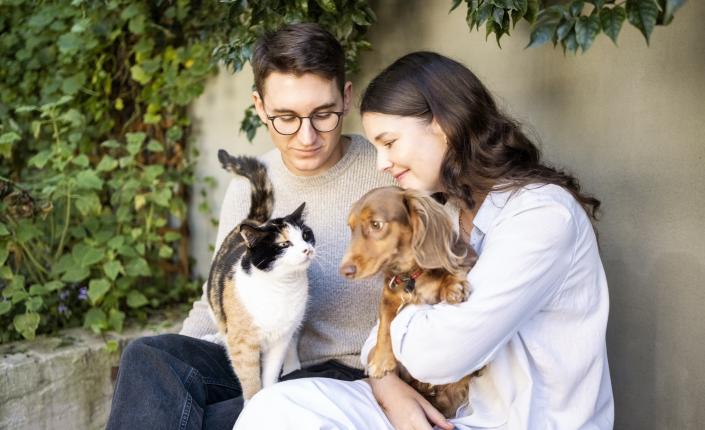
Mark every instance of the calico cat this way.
pixel 258 286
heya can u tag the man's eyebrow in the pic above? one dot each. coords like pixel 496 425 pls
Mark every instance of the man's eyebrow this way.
pixel 316 109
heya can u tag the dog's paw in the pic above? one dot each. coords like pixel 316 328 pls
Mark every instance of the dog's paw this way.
pixel 456 293
pixel 380 364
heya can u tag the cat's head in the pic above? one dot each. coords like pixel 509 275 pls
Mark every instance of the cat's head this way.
pixel 281 244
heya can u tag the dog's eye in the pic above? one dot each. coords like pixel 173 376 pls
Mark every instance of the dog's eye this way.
pixel 376 225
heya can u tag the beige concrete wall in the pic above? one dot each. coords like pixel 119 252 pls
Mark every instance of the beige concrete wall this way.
pixel 217 115
pixel 629 121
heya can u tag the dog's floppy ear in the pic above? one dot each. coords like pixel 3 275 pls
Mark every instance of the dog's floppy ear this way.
pixel 433 240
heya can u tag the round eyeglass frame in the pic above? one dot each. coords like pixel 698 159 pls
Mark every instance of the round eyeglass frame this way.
pixel 301 121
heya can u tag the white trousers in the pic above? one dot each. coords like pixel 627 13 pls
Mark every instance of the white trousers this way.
pixel 314 404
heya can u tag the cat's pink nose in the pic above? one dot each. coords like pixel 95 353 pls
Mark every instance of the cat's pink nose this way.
pixel 308 251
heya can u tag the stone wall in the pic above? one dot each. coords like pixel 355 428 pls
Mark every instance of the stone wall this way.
pixel 63 382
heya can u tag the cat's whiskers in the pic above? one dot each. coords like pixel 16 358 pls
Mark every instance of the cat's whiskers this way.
pixel 325 264
pixel 322 252
pixel 320 265
pixel 322 246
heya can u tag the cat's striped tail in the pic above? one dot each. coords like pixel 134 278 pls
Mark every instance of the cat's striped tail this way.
pixel 262 196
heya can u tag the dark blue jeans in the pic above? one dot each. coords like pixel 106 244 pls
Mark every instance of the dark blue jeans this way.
pixel 178 382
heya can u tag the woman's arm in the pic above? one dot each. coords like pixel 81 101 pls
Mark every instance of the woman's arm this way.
pixel 525 259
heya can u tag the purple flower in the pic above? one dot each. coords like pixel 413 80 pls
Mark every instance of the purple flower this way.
pixel 63 310
pixel 83 293
pixel 63 295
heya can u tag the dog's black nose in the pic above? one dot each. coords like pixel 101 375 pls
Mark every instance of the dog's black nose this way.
pixel 348 271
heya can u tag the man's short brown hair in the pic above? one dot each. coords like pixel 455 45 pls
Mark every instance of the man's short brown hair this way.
pixel 298 49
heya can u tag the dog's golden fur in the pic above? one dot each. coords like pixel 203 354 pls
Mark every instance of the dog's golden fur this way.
pixel 399 232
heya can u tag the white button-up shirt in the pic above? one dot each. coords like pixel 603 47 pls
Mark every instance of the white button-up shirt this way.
pixel 536 320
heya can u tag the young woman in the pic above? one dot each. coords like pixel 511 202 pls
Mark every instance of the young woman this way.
pixel 537 315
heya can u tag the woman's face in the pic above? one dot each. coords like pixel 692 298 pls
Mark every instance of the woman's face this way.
pixel 408 148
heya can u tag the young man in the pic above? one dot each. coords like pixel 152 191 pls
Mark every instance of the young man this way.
pixel 182 381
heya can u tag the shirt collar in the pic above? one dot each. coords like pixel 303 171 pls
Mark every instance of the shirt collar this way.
pixel 490 209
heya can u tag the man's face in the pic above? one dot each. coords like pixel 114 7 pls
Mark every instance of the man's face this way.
pixel 307 152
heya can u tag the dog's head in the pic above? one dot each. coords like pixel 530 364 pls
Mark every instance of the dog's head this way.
pixel 395 230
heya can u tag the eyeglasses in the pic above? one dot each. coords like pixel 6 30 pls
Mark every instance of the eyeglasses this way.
pixel 322 122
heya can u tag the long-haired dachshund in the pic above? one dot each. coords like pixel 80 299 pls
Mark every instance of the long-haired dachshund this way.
pixel 408 237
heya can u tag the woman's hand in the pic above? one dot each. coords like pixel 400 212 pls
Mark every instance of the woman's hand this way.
pixel 406 408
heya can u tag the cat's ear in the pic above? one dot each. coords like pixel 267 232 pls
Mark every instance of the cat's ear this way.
pixel 298 213
pixel 250 233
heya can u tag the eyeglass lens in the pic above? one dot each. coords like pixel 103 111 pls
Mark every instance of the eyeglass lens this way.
pixel 321 122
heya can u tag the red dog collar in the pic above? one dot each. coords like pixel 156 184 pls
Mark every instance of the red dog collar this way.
pixel 408 280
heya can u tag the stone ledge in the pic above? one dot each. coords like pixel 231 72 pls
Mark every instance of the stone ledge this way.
pixel 64 382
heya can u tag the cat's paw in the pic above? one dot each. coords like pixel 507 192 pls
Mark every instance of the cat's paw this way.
pixel 380 363
pixel 216 338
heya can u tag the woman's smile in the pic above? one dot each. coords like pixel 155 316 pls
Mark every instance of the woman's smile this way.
pixel 398 176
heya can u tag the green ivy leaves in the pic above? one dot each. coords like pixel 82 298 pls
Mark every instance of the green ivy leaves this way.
pixel 499 16
pixel 575 24
pixel 643 15
pixel 611 20
pixel 27 324
pixel 6 141
pixel 94 143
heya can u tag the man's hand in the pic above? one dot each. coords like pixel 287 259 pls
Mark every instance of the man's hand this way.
pixel 406 408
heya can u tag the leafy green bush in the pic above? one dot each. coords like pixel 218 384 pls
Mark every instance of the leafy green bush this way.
pixel 97 164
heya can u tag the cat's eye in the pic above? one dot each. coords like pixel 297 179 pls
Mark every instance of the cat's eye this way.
pixel 283 245
pixel 306 235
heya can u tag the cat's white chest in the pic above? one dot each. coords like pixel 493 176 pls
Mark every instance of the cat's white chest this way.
pixel 277 306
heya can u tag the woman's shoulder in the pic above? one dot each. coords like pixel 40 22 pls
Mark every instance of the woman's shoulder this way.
pixel 544 215
pixel 537 198
pixel 546 194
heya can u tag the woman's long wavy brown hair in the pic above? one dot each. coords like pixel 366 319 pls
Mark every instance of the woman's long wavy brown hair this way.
pixel 487 150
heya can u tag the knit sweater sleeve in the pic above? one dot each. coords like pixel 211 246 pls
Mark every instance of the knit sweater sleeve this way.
pixel 236 203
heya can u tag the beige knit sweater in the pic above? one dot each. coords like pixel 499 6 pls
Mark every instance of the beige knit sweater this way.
pixel 340 312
